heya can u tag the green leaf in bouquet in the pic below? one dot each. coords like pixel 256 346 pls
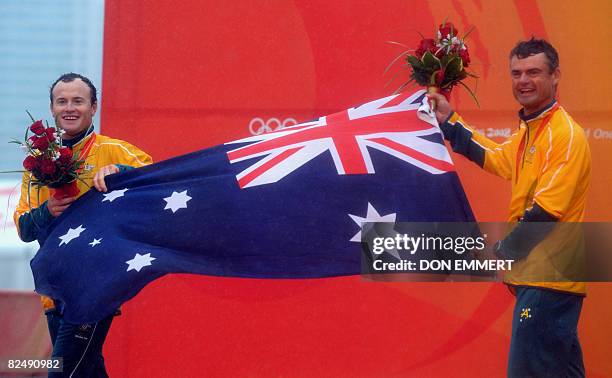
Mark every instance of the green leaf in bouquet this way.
pixel 421 77
pixel 444 21
pixel 468 32
pixel 32 118
pixel 430 61
pixel 471 74
pixel 395 60
pixel 395 77
pixel 454 67
pixel 414 62
pixel 445 59
pixel 403 86
pixel 397 43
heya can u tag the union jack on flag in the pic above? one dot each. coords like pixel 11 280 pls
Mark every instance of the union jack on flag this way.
pixel 388 125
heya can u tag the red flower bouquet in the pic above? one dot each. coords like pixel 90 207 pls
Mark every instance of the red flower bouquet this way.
pixel 439 63
pixel 51 164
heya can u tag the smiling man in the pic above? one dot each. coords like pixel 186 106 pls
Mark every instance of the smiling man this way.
pixel 548 161
pixel 73 104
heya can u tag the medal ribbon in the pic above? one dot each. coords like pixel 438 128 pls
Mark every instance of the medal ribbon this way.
pixel 85 150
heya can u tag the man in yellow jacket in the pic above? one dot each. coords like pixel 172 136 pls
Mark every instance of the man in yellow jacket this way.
pixel 73 105
pixel 548 161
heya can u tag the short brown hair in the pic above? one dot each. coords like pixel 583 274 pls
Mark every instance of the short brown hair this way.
pixel 523 49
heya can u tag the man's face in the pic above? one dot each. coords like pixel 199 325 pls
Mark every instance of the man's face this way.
pixel 72 108
pixel 533 85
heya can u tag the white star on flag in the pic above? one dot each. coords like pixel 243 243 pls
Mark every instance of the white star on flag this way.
pixel 72 233
pixel 177 201
pixel 95 242
pixel 110 197
pixel 371 217
pixel 139 261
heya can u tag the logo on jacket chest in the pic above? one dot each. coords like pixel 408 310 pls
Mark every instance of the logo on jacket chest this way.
pixel 529 154
pixel 88 167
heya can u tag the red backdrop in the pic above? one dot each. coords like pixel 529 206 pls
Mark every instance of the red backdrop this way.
pixel 181 76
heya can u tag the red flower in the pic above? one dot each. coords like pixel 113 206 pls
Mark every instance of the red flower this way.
pixel 465 57
pixel 425 45
pixel 49 133
pixel 448 28
pixel 40 143
pixel 439 77
pixel 65 155
pixel 37 128
pixel 30 163
pixel 47 167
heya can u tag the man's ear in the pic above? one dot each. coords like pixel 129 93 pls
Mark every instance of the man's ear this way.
pixel 556 76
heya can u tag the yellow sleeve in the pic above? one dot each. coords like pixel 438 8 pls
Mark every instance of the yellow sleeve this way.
pixel 127 154
pixel 115 151
pixel 31 198
pixel 493 157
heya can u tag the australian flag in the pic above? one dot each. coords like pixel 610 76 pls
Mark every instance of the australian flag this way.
pixel 286 204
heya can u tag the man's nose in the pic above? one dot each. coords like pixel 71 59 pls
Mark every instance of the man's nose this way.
pixel 523 78
pixel 70 106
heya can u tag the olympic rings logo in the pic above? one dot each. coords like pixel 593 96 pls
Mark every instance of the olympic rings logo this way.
pixel 258 126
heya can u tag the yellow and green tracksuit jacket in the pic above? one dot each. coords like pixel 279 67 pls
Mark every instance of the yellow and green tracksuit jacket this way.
pixel 32 215
pixel 548 161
